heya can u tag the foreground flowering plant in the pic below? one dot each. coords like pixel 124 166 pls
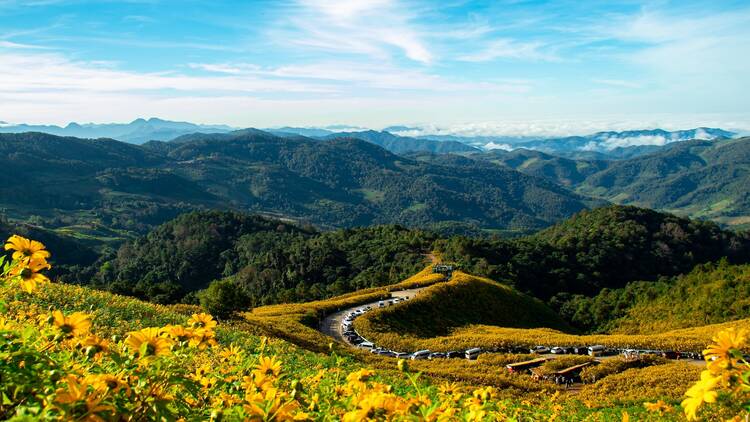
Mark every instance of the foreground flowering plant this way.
pixel 724 386
pixel 29 258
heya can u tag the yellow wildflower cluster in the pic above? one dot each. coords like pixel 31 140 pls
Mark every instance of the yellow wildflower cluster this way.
pixel 29 258
pixel 726 377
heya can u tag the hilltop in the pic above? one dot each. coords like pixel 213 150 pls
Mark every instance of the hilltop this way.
pixel 464 300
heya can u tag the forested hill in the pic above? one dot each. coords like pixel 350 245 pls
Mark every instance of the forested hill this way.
pixel 697 178
pixel 269 260
pixel 707 179
pixel 605 247
pixel 403 144
pixel 338 183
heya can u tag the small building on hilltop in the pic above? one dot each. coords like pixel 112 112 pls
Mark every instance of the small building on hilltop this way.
pixel 445 269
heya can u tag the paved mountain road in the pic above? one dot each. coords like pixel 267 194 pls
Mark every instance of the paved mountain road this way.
pixel 331 325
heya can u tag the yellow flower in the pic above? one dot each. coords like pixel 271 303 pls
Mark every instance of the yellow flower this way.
pixel 255 383
pixel 109 382
pixel 75 325
pixel 94 345
pixel 178 332
pixel 26 250
pixel 202 320
pixel 77 392
pixel 360 376
pixel 148 342
pixel 28 273
pixel 231 352
pixel 658 406
pixel 718 355
pixel 202 338
pixel 268 366
pixel 375 406
pixel 449 388
pixel 701 392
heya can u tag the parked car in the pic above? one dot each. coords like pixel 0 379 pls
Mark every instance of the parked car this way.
pixel 453 354
pixel 597 350
pixel 436 355
pixel 421 354
pixel 670 354
pixel 473 354
pixel 557 350
pixel 540 350
pixel 366 345
pixel 402 355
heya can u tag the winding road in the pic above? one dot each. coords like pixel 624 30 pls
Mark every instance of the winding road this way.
pixel 331 325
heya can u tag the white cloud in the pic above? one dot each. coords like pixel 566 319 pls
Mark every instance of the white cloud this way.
pixel 537 128
pixel 9 44
pixel 618 83
pixel 695 45
pixel 31 74
pixel 493 145
pixel 612 143
pixel 362 76
pixel 367 27
pixel 509 49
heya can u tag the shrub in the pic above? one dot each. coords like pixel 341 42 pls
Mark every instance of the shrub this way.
pixel 223 298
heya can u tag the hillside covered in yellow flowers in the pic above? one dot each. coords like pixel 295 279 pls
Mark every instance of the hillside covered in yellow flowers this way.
pixel 72 353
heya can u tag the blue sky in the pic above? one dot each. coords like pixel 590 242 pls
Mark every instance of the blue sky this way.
pixel 493 67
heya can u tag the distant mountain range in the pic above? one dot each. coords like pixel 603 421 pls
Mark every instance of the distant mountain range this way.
pixel 620 142
pixel 599 146
pixel 138 131
pixel 341 182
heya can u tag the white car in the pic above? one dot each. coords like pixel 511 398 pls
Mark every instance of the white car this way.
pixel 557 351
pixel 540 350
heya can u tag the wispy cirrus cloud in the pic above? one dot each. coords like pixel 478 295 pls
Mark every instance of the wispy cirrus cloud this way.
pixel 373 28
pixel 619 83
pixel 510 49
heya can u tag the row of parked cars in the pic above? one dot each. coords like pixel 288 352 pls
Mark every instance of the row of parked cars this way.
pixel 347 329
pixel 470 354
pixel 599 350
pixel 585 350
pixel 351 335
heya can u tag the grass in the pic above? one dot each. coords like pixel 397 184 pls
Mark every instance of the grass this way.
pixel 372 195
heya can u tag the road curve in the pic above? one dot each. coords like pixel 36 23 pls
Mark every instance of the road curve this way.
pixel 331 325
